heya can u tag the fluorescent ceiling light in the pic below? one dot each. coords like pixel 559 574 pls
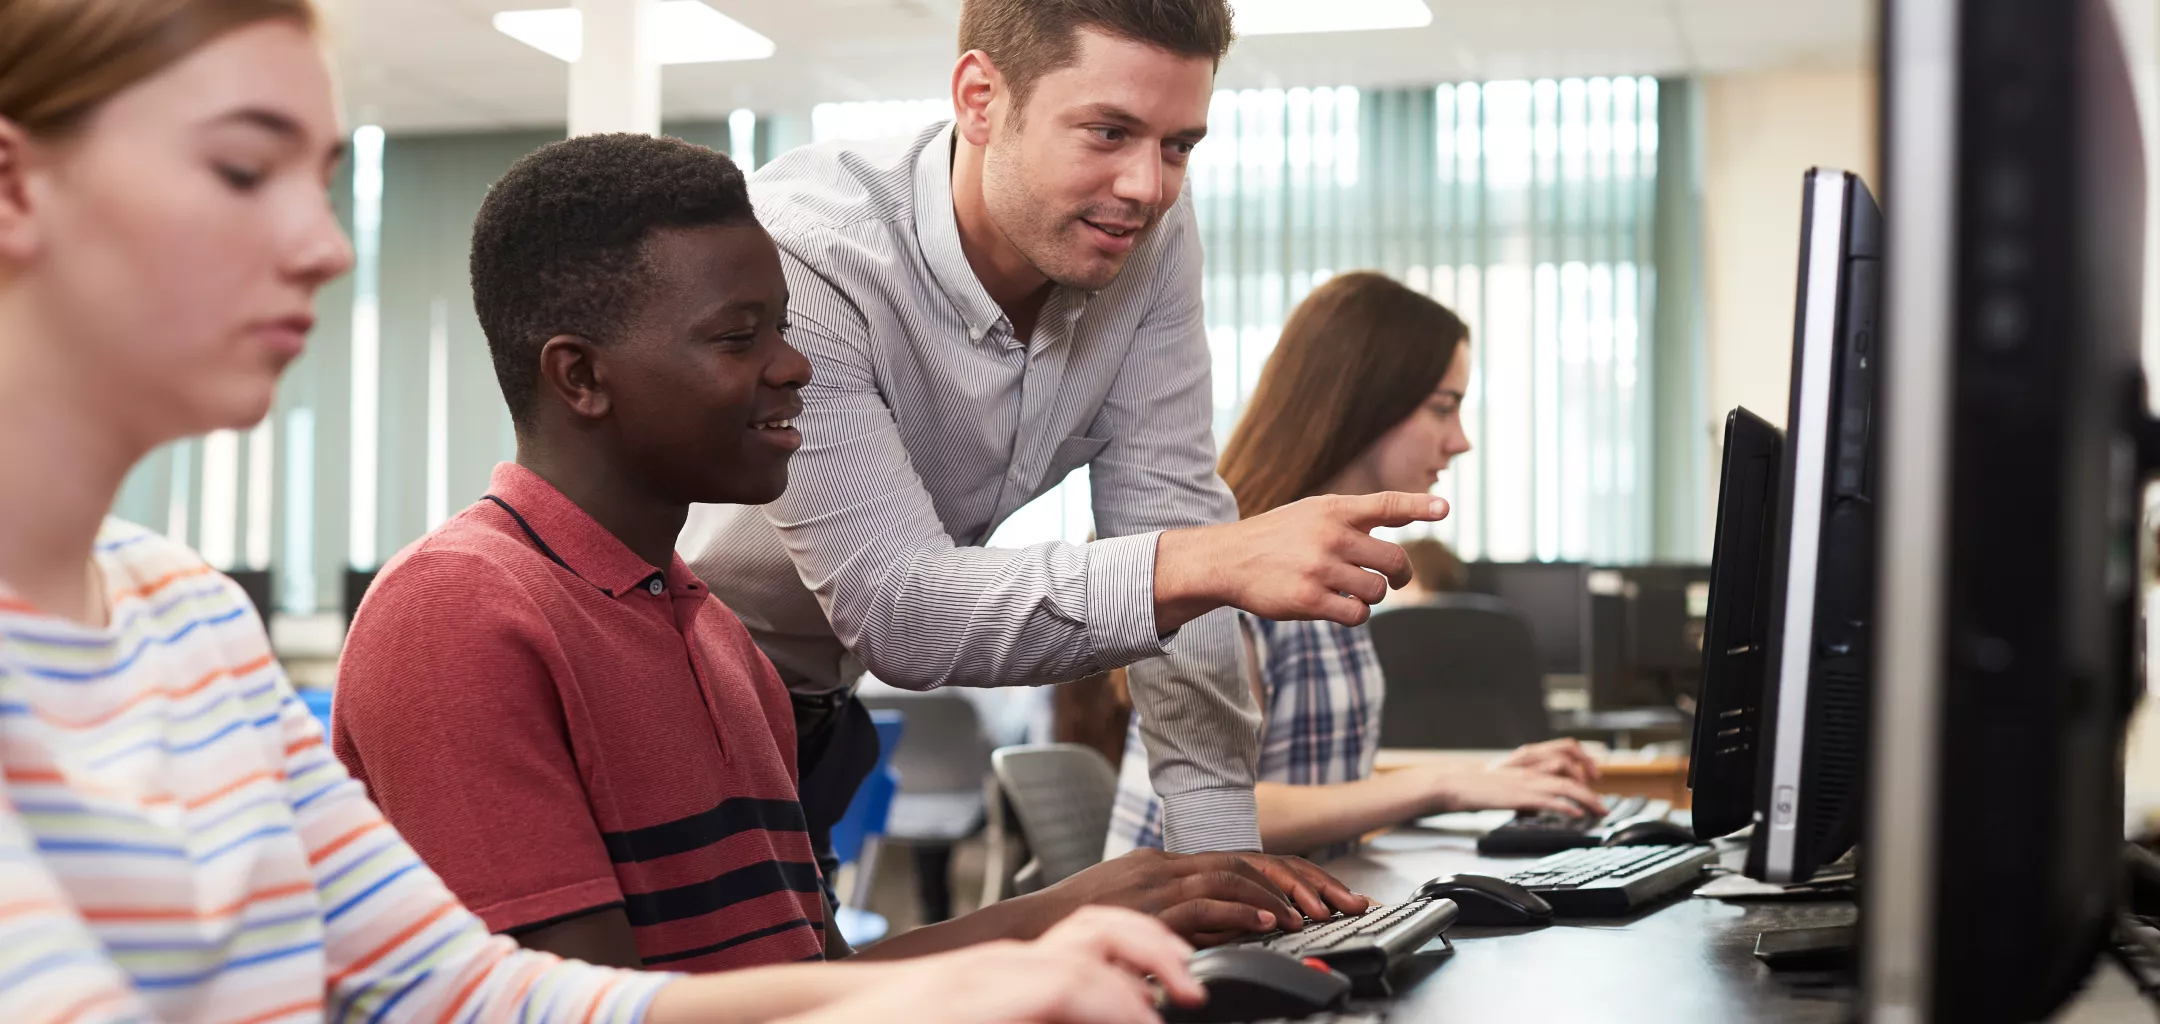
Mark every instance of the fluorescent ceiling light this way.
pixel 680 32
pixel 1287 17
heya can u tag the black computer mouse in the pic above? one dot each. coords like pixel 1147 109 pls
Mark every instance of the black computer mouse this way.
pixel 1486 900
pixel 1255 983
pixel 1651 832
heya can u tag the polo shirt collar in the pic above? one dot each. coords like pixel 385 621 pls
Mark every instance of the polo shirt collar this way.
pixel 578 542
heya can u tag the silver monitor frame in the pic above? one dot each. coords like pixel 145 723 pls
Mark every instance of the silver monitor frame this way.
pixel 1808 441
pixel 1920 143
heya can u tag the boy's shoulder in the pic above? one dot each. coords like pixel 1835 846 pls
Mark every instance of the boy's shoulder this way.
pixel 465 568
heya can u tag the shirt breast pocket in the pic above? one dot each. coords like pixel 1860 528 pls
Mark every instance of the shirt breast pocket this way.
pixel 1071 454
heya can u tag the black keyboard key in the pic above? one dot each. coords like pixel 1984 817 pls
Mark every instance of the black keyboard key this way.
pixel 1366 946
pixel 1613 881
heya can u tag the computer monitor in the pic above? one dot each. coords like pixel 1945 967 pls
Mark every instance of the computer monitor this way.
pixel 2014 407
pixel 1822 579
pixel 1736 630
pixel 1553 596
pixel 1661 610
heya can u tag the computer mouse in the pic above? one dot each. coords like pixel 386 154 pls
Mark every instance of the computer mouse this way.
pixel 1651 832
pixel 1486 900
pixel 1255 983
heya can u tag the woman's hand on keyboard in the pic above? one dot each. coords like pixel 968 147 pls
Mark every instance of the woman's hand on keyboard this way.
pixel 1514 789
pixel 1554 757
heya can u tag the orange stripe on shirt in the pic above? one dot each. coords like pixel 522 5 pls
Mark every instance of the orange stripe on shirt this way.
pixel 162 582
pixel 275 892
pixel 170 694
pixel 392 943
pixel 8 910
pixel 9 604
pixel 288 1010
pixel 95 1001
pixel 55 777
pixel 600 998
pixel 326 851
pixel 221 791
pixel 482 966
pixel 524 985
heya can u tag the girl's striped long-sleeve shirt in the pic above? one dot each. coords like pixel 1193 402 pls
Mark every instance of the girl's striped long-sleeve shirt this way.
pixel 178 844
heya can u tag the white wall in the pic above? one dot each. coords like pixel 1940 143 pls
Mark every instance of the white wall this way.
pixel 1761 133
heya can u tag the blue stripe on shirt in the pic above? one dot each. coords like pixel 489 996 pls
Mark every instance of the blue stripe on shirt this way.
pixel 107 671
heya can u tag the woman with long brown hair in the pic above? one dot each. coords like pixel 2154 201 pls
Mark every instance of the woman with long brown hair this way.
pixel 1363 393
pixel 176 842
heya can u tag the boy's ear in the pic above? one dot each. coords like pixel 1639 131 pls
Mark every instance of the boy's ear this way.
pixel 569 368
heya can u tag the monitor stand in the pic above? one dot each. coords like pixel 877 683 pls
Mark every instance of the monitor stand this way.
pixel 1808 949
pixel 1816 948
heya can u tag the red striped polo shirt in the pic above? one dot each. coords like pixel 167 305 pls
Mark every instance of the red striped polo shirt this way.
pixel 558 727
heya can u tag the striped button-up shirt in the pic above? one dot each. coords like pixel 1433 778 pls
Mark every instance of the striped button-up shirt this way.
pixel 928 421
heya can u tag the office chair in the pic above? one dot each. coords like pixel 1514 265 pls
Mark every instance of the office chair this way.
pixel 1060 794
pixel 859 832
pixel 942 759
pixel 1462 673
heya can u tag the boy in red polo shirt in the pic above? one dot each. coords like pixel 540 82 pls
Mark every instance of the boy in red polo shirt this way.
pixel 570 730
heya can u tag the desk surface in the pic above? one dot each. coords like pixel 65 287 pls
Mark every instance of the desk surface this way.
pixel 1687 960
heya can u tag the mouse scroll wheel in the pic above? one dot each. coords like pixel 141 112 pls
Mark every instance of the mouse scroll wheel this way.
pixel 1316 964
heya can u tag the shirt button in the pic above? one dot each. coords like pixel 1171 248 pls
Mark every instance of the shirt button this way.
pixel 656 587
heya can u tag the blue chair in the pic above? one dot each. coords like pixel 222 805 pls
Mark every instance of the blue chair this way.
pixel 318 703
pixel 855 836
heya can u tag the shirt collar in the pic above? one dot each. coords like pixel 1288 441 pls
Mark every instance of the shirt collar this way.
pixel 573 538
pixel 937 230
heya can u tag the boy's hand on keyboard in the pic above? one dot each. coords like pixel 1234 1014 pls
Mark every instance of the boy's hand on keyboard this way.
pixel 1563 757
pixel 1315 892
pixel 1208 898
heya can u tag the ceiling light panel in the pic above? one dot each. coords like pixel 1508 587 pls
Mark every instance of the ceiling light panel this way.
pixel 680 32
pixel 1290 17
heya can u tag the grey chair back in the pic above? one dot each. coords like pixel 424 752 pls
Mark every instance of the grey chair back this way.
pixel 1463 674
pixel 943 758
pixel 1061 794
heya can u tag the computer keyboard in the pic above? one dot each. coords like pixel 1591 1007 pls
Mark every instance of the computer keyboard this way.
pixel 1367 945
pixel 1613 881
pixel 1551 832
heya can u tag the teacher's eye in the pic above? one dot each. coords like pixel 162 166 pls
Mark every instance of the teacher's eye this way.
pixel 239 179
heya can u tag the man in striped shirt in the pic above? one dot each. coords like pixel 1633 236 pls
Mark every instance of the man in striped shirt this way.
pixel 1000 301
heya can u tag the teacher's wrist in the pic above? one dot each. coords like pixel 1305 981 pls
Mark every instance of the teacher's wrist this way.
pixel 1187 581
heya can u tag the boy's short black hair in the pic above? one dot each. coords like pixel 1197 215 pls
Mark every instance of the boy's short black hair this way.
pixel 559 242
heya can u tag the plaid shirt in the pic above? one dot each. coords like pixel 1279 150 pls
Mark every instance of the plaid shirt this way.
pixel 1322 703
